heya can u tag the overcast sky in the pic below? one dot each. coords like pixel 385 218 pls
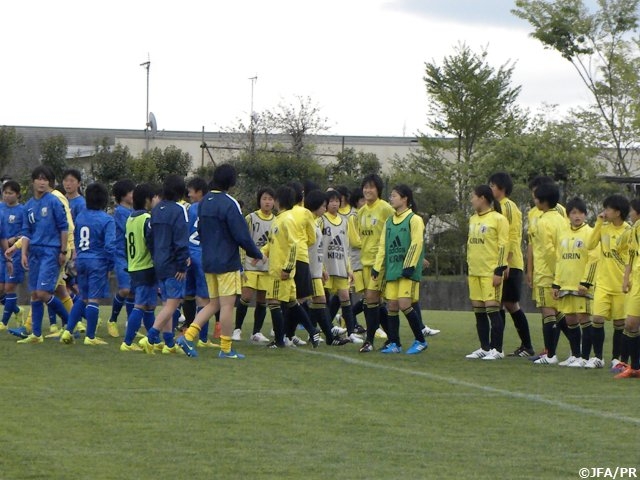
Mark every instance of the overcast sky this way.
pixel 77 63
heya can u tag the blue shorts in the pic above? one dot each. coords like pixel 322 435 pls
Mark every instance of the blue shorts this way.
pixel 145 295
pixel 44 268
pixel 18 271
pixel 170 288
pixel 92 278
pixel 122 276
pixel 196 283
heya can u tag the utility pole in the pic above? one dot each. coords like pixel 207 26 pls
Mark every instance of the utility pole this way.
pixel 252 128
pixel 147 66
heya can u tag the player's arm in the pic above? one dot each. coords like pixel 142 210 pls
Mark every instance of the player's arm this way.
pixel 382 247
pixel 238 228
pixel 594 239
pixel 290 246
pixel 502 245
pixel 413 257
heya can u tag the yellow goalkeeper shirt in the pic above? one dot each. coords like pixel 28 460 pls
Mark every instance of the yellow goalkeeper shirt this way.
pixel 544 238
pixel 303 232
pixel 371 220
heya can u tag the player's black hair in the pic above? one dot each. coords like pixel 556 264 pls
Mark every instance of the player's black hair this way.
pixel 548 193
pixel 376 180
pixel 405 192
pixel 298 190
pixel 503 181
pixel 538 180
pixel 309 185
pixel 314 199
pixel 224 177
pixel 197 184
pixel 286 197
pixel 75 173
pixel 268 190
pixel 331 194
pixel 355 196
pixel 46 172
pixel 173 188
pixel 11 185
pixel 635 204
pixel 617 202
pixel 122 188
pixel 576 203
pixel 97 196
pixel 485 191
pixel 142 193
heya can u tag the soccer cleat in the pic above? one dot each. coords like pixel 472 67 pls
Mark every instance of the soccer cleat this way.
pixel 207 344
pixel 537 356
pixel 31 338
pixel 20 316
pixel 236 336
pixel 547 360
pixel 359 329
pixel 130 348
pixel 568 361
pixel 231 354
pixel 417 347
pixel 147 346
pixel 337 342
pixel 366 347
pixel 337 331
pixel 315 339
pixel 3 327
pixel 297 341
pixel 380 333
pixel 94 341
pixel 391 348
pixel 81 327
pixel 20 332
pixel 353 338
pixel 289 343
pixel 579 363
pixel 429 332
pixel 522 352
pixel 594 362
pixel 112 329
pixel 66 337
pixel 158 346
pixel 274 345
pixel 619 367
pixel 493 355
pixel 628 373
pixel 479 353
pixel 187 347
pixel 54 331
pixel 259 338
pixel 172 350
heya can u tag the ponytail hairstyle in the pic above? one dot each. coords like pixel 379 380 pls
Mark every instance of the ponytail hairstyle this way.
pixel 405 192
pixel 485 191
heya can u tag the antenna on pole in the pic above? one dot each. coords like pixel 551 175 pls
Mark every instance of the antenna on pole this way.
pixel 147 66
pixel 252 119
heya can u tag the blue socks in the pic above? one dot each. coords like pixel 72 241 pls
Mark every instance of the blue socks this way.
pixel 133 325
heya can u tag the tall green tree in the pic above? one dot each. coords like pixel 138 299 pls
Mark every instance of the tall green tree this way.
pixel 350 166
pixel 10 141
pixel 53 151
pixel 110 165
pixel 601 47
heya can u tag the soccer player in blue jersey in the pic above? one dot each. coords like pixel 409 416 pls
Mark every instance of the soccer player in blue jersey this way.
pixel 11 220
pixel 222 231
pixel 44 249
pixel 95 251
pixel 170 253
pixel 123 195
pixel 71 180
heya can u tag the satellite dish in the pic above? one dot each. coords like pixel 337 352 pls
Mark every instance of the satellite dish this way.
pixel 152 124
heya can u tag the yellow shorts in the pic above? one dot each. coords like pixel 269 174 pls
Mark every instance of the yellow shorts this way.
pixel 481 289
pixel 575 304
pixel 544 297
pixel 337 283
pixel 358 281
pixel 401 288
pixel 416 298
pixel 255 280
pixel 632 303
pixel 223 284
pixel 369 282
pixel 281 290
pixel 609 305
pixel 317 287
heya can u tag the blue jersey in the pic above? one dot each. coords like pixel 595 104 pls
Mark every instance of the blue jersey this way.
pixel 195 250
pixel 222 230
pixel 170 239
pixel 120 215
pixel 43 220
pixel 95 235
pixel 77 205
pixel 11 219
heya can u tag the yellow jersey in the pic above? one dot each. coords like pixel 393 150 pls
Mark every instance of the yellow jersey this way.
pixel 613 254
pixel 281 248
pixel 514 217
pixel 371 219
pixel 487 243
pixel 535 213
pixel 634 246
pixel 65 203
pixel 544 238
pixel 575 263
pixel 304 233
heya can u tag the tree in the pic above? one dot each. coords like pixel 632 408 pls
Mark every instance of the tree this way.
pixel 54 154
pixel 10 141
pixel 172 161
pixel 600 47
pixel 108 166
pixel 351 166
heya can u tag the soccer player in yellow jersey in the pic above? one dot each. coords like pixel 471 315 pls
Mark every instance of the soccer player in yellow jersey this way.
pixel 609 298
pixel 371 218
pixel 487 247
pixel 631 286
pixel 400 258
pixel 544 240
pixel 573 282
pixel 502 185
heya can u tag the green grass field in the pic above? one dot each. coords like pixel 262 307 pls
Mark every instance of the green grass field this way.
pixel 78 412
